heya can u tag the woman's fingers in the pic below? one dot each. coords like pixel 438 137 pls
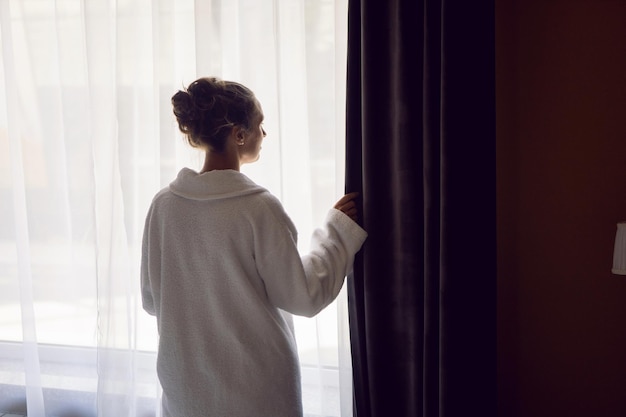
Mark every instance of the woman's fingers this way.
pixel 345 199
pixel 347 205
pixel 351 213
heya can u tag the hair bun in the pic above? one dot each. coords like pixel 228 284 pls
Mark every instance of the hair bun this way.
pixel 205 94
pixel 184 107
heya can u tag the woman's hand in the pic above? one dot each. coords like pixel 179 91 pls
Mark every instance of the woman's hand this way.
pixel 347 205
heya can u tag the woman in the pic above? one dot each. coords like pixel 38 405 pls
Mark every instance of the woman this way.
pixel 220 266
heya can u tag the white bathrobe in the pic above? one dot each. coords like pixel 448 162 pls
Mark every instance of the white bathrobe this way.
pixel 219 263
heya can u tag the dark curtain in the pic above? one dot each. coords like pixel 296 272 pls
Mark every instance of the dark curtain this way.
pixel 421 150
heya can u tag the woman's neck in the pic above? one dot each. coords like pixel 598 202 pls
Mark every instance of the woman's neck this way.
pixel 228 159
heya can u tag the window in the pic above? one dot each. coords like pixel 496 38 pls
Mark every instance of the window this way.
pixel 87 138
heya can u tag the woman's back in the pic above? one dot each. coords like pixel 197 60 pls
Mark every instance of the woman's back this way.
pixel 223 347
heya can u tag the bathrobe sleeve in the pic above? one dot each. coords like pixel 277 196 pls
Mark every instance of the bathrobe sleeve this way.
pixel 304 285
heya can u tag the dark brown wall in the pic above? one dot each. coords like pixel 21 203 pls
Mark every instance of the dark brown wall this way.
pixel 561 137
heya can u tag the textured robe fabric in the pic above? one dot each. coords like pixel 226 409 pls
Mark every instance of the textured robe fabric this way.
pixel 220 266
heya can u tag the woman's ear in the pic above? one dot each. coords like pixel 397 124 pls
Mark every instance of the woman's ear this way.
pixel 239 135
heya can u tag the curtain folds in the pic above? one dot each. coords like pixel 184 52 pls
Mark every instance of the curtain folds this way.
pixel 87 137
pixel 421 149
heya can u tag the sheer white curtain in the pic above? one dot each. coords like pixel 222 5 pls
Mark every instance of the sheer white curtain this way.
pixel 87 137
